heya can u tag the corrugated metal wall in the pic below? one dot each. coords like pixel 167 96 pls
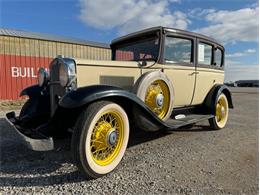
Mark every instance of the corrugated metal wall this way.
pixel 20 59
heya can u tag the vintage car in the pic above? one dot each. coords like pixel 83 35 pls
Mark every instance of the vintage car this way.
pixel 158 79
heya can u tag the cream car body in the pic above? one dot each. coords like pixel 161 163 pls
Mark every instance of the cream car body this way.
pixel 191 81
pixel 124 74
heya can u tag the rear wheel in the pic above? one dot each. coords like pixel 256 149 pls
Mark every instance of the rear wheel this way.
pixel 221 115
pixel 100 138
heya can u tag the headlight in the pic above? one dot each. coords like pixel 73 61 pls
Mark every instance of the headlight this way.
pixel 67 72
pixel 64 77
pixel 42 76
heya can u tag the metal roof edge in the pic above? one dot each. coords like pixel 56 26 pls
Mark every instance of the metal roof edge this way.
pixel 48 37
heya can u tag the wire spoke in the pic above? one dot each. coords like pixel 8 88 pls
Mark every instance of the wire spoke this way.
pixel 102 151
pixel 97 141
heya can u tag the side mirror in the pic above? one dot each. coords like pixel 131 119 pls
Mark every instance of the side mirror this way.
pixel 144 63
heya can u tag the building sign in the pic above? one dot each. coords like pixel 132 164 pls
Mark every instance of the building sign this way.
pixel 18 72
pixel 25 72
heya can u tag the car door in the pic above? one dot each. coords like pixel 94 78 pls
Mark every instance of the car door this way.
pixel 179 66
pixel 209 69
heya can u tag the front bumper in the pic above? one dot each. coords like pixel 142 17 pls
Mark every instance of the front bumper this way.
pixel 33 140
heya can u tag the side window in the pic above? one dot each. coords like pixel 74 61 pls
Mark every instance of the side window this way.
pixel 218 57
pixel 178 50
pixel 205 54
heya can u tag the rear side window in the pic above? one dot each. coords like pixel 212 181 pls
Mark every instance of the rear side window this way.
pixel 218 57
pixel 205 54
pixel 178 50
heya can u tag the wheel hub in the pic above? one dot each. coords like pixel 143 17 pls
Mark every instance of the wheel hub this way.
pixel 159 100
pixel 223 111
pixel 111 137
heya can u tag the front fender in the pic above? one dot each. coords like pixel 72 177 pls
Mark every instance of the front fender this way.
pixel 86 95
pixel 211 99
pixel 31 91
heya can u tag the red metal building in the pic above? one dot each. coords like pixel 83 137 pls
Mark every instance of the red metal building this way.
pixel 22 53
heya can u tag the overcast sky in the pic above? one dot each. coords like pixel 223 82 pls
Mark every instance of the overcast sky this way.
pixel 233 22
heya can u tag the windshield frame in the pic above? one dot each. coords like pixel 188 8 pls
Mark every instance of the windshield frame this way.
pixel 136 39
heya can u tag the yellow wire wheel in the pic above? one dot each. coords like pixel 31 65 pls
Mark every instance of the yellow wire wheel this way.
pixel 158 98
pixel 107 137
pixel 221 115
pixel 100 138
pixel 156 90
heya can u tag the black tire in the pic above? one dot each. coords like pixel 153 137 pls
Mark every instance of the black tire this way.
pixel 83 135
pixel 216 123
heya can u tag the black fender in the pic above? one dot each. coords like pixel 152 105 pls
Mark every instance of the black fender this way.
pixel 211 99
pixel 31 91
pixel 37 107
pixel 86 95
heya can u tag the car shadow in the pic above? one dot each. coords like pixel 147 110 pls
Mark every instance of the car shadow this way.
pixel 47 168
pixel 194 128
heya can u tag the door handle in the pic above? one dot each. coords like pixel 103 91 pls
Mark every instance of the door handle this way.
pixel 193 73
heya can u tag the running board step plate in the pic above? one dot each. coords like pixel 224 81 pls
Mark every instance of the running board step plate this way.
pixel 189 119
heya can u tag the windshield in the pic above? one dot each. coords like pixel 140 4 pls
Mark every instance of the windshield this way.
pixel 144 48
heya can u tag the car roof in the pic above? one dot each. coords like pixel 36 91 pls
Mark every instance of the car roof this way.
pixel 166 29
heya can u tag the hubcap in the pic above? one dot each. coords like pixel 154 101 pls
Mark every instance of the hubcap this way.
pixel 107 138
pixel 222 111
pixel 158 98
pixel 112 137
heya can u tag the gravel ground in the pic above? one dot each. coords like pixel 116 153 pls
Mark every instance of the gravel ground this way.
pixel 188 161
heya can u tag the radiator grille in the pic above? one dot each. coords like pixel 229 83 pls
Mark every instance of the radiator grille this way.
pixel 56 90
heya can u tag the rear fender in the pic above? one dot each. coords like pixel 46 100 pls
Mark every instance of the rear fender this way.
pixel 211 99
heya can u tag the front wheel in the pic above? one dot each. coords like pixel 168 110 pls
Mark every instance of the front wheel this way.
pixel 100 138
pixel 221 115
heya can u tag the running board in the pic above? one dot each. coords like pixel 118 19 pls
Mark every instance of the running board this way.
pixel 188 120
